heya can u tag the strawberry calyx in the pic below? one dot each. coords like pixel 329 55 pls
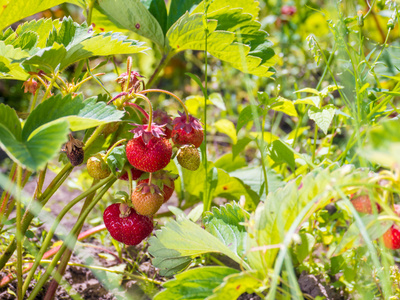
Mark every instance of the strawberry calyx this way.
pixel 188 126
pixel 146 188
pixel 162 118
pixel 134 78
pixel 146 132
pixel 124 210
pixel 161 178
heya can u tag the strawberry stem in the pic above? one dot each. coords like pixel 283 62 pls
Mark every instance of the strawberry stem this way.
pixel 171 94
pixel 112 148
pixel 139 95
pixel 150 178
pixel 128 70
pixel 137 107
pixel 129 170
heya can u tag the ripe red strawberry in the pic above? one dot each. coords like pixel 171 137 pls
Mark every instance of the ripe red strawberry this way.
pixel 391 238
pixel 164 181
pixel 362 204
pixel 148 150
pixel 161 118
pixel 97 167
pixel 187 133
pixel 125 225
pixel 147 199
pixel 189 157
pixel 135 174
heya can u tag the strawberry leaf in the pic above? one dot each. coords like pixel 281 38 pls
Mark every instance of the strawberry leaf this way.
pixel 248 51
pixel 179 241
pixel 226 223
pixel 8 67
pixel 81 114
pixel 196 283
pixel 69 42
pixel 235 285
pixel 16 10
pixel 159 11
pixel 35 152
pixel 116 159
pixel 132 15
pixel 178 8
pixel 248 114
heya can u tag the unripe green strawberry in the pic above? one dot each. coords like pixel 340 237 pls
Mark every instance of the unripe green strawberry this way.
pixel 189 157
pixel 97 167
pixel 147 199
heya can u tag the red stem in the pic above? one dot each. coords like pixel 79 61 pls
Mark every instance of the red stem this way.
pixel 144 113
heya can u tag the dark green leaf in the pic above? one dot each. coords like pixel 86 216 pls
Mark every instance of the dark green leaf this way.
pixel 117 159
pixel 40 148
pixel 159 11
pixel 29 234
pixel 178 8
pixel 9 121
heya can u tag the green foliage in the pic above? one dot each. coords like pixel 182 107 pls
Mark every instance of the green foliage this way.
pixel 352 238
pixel 226 223
pixel 275 216
pixel 179 241
pixel 235 285
pixel 15 10
pixel 35 152
pixel 233 34
pixel 53 46
pixel 132 15
pixel 322 116
pixel 80 114
pixel 385 143
pixel 116 160
pixel 47 126
pixel 196 283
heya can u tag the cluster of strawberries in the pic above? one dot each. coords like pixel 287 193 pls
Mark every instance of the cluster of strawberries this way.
pixel 391 238
pixel 149 152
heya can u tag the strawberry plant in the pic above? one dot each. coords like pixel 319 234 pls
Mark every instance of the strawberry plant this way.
pixel 246 168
